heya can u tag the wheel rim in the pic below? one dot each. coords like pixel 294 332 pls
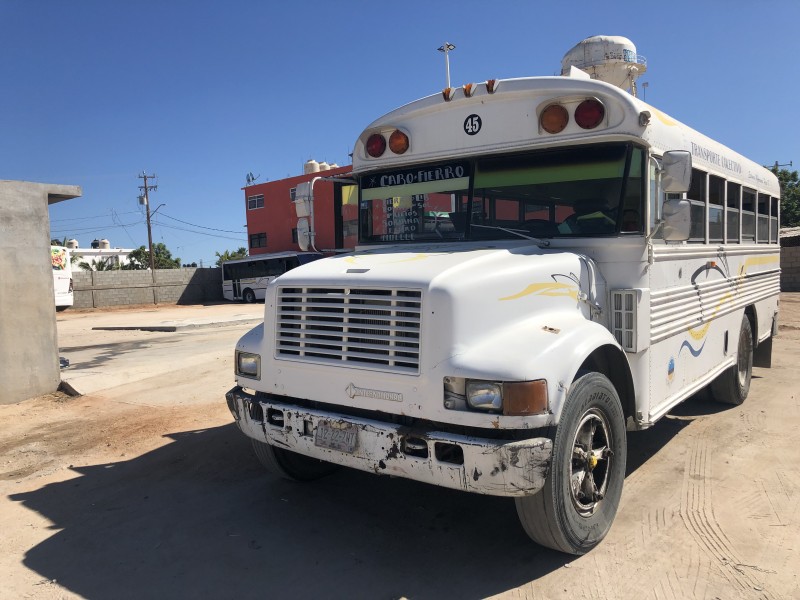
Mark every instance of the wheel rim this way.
pixel 590 467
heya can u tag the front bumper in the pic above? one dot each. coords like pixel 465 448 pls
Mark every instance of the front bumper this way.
pixel 473 464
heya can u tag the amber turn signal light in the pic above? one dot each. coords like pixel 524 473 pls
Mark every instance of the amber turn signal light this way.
pixel 525 398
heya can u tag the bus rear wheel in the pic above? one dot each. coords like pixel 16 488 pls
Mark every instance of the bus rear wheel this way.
pixel 733 385
pixel 574 510
pixel 290 465
pixel 249 296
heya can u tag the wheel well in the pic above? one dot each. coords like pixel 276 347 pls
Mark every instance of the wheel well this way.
pixel 750 313
pixel 611 362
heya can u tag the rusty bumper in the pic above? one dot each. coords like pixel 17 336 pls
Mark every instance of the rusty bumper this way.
pixel 473 464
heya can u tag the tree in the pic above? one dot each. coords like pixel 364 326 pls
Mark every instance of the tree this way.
pixel 102 264
pixel 790 197
pixel 228 255
pixel 162 258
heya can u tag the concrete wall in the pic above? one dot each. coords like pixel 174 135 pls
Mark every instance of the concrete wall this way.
pixel 98 289
pixel 28 336
pixel 790 264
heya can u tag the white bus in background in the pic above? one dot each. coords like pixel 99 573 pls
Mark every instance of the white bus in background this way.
pixel 543 264
pixel 246 279
pixel 62 276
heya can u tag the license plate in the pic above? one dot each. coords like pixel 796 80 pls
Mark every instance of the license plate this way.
pixel 336 436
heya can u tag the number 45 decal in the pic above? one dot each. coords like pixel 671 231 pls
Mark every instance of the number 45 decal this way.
pixel 472 124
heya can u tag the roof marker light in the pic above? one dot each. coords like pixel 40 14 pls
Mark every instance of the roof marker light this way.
pixel 491 85
pixel 376 145
pixel 590 113
pixel 398 142
pixel 447 94
pixel 469 89
pixel 554 118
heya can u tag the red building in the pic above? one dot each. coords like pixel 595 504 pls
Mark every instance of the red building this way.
pixel 272 220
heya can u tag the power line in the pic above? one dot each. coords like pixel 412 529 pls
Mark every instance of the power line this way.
pixel 227 237
pixel 93 229
pixel 200 226
pixel 93 216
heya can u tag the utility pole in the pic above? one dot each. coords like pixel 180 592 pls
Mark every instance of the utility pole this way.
pixel 145 189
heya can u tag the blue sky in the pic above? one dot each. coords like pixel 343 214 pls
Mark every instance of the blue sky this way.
pixel 93 92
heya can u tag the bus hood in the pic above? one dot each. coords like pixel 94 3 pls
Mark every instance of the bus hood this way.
pixel 497 283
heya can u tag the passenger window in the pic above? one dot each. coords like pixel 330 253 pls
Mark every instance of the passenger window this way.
pixel 697 198
pixel 716 206
pixel 748 215
pixel 773 220
pixel 762 232
pixel 732 213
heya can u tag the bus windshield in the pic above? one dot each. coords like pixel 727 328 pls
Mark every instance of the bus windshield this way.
pixel 587 191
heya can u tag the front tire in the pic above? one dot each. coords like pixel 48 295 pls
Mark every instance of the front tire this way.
pixel 733 385
pixel 575 509
pixel 290 465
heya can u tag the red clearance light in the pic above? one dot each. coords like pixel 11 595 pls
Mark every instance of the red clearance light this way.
pixel 491 86
pixel 447 94
pixel 590 113
pixel 469 89
pixel 376 145
pixel 554 118
pixel 398 142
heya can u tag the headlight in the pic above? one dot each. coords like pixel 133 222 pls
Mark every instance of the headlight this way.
pixel 248 365
pixel 485 395
pixel 511 398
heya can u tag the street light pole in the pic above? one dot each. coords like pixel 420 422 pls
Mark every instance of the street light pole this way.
pixel 446 48
pixel 146 188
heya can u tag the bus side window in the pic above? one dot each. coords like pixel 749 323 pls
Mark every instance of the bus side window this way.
pixel 733 213
pixel 762 231
pixel 716 210
pixel 773 220
pixel 748 215
pixel 697 197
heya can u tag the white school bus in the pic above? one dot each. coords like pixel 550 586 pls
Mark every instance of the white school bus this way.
pixel 544 263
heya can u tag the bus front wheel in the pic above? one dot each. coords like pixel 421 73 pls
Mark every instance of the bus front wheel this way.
pixel 574 510
pixel 249 296
pixel 290 465
pixel 733 385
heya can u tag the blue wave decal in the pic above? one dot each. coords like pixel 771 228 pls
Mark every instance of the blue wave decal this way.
pixel 694 352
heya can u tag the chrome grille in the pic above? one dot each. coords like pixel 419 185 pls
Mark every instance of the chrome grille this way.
pixel 366 327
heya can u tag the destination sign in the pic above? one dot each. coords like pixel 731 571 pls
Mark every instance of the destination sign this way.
pixel 416 175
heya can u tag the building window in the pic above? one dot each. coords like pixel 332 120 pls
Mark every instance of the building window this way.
pixel 258 240
pixel 294 235
pixel 255 202
pixel 292 194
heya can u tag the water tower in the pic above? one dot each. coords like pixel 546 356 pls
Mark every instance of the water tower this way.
pixel 609 58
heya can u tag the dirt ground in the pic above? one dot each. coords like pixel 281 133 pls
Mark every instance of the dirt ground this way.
pixel 145 489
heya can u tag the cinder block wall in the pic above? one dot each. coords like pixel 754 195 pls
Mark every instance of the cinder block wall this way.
pixel 790 267
pixel 98 289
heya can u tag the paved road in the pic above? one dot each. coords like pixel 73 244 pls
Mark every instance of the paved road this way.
pixel 144 488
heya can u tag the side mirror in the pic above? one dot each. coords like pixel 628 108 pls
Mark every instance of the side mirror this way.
pixel 677 220
pixel 676 171
pixel 302 199
pixel 303 234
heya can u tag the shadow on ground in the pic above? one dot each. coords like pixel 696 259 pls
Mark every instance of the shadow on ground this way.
pixel 199 518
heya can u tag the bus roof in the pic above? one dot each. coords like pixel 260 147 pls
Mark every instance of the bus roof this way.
pixel 508 117
pixel 257 257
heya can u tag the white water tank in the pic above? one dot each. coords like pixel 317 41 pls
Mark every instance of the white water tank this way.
pixel 104 244
pixel 72 244
pixel 334 166
pixel 323 166
pixel 609 58
pixel 311 166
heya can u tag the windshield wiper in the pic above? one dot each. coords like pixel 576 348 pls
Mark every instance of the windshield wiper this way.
pixel 539 242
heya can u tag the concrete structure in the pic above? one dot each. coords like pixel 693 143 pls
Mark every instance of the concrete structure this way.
pixel 99 252
pixel 272 220
pixel 189 285
pixel 28 338
pixel 790 259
